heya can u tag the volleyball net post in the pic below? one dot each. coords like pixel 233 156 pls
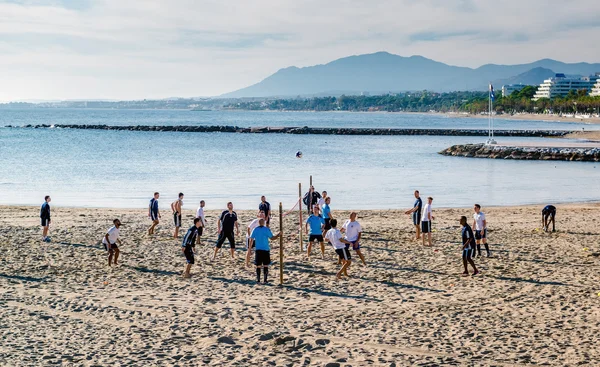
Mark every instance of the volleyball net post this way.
pixel 300 212
pixel 280 244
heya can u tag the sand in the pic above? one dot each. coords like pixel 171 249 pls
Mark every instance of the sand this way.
pixel 535 303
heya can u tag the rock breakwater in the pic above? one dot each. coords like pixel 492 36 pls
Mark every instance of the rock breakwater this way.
pixel 590 154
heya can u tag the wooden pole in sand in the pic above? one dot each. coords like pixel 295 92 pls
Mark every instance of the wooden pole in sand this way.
pixel 300 212
pixel 310 196
pixel 280 244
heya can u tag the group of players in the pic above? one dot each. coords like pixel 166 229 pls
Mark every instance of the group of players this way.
pixel 320 226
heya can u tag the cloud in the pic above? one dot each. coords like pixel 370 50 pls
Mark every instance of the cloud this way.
pixel 158 48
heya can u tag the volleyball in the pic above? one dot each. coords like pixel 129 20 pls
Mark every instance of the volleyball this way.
pixel 298 154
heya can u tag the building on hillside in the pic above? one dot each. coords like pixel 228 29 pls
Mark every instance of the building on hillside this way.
pixel 595 92
pixel 507 90
pixel 560 86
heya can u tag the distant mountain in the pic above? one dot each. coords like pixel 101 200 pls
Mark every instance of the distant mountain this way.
pixel 534 76
pixel 383 72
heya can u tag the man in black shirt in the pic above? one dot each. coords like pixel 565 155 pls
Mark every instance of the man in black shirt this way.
pixel 311 198
pixel 227 221
pixel 264 206
pixel 548 214
pixel 468 246
pixel 188 245
pixel 416 213
pixel 45 218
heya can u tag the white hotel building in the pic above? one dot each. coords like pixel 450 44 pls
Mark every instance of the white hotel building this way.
pixel 560 85
pixel 596 89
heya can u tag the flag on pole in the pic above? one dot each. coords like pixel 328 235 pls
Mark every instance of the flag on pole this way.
pixel 492 96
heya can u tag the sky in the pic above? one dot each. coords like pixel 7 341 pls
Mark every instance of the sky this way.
pixel 136 49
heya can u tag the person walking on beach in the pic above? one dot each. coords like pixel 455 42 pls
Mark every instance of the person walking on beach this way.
pixel 468 246
pixel 416 214
pixel 260 236
pixel 200 215
pixel 153 213
pixel 353 232
pixel 426 219
pixel 316 223
pixel 227 221
pixel 188 246
pixel 326 212
pixel 110 240
pixel 334 236
pixel 45 218
pixel 265 207
pixel 176 208
pixel 249 241
pixel 548 214
pixel 480 225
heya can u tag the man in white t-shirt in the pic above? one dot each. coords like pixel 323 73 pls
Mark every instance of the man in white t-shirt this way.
pixel 321 201
pixel 480 227
pixel 249 240
pixel 340 245
pixel 426 218
pixel 200 215
pixel 353 232
pixel 110 240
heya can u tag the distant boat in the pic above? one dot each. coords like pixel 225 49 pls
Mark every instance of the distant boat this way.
pixel 198 109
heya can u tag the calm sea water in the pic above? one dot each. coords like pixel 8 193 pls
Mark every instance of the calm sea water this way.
pixel 123 169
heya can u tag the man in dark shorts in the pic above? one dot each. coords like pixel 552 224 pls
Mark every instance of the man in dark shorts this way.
pixel 326 212
pixel 416 214
pixel 176 208
pixel 200 215
pixel 227 221
pixel 480 225
pixel 353 232
pixel 548 215
pixel 45 218
pixel 110 240
pixel 262 259
pixel 153 213
pixel 315 222
pixel 187 246
pixel 468 246
pixel 264 206
pixel 426 218
pixel 340 245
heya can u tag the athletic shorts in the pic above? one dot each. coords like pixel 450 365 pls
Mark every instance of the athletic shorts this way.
pixel 416 217
pixel 262 257
pixel 468 253
pixel 313 237
pixel 111 248
pixel 426 226
pixel 248 241
pixel 226 235
pixel 177 219
pixel 189 255
pixel 343 253
pixel 154 215
pixel 355 245
pixel 45 222
pixel 549 213
pixel 327 224
pixel 200 231
pixel 481 234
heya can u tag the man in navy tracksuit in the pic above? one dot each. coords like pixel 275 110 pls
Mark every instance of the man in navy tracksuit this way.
pixel 45 218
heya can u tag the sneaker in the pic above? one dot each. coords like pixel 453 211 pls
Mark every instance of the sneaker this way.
pixel 475 273
pixel 47 239
pixel 489 254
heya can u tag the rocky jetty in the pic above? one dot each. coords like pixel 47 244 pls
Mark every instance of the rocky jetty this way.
pixel 591 154
pixel 313 130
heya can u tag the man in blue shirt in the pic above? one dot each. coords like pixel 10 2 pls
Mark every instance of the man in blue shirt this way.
pixel 262 258
pixel 45 218
pixel 316 223
pixel 327 217
pixel 153 213
pixel 188 245
pixel 416 214
pixel 468 246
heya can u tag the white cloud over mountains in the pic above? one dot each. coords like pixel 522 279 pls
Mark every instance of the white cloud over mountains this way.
pixel 126 49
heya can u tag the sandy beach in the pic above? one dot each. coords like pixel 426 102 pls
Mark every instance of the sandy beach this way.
pixel 536 301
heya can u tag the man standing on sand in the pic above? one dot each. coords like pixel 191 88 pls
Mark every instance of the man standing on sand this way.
pixel 480 225
pixel 548 214
pixel 327 216
pixel 187 246
pixel 426 219
pixel 262 259
pixel 468 246
pixel 321 201
pixel 311 198
pixel 353 234
pixel 227 221
pixel 110 240
pixel 334 236
pixel 200 215
pixel 416 214
pixel 265 207
pixel 316 223
pixel 176 208
pixel 153 213
pixel 249 241
pixel 45 218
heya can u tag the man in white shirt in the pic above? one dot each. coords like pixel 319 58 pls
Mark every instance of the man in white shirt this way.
pixel 321 201
pixel 249 240
pixel 334 236
pixel 480 226
pixel 353 234
pixel 110 240
pixel 200 215
pixel 426 219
